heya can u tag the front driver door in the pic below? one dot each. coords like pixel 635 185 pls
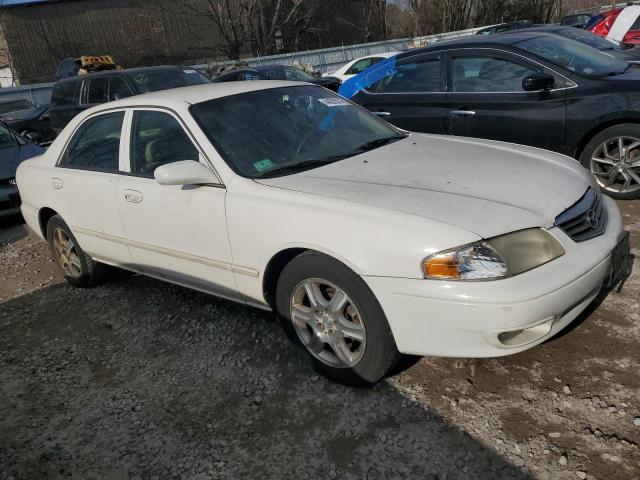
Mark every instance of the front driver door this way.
pixel 175 232
pixel 485 99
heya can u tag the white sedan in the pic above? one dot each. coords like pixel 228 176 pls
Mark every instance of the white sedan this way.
pixel 358 65
pixel 368 241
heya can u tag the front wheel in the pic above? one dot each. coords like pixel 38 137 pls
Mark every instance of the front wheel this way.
pixel 613 157
pixel 330 311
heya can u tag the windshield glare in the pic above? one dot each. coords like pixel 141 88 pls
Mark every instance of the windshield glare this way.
pixel 263 131
pixel 153 81
pixel 574 56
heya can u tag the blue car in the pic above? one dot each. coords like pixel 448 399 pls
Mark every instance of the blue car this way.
pixel 13 150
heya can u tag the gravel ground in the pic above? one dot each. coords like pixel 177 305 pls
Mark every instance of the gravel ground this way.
pixel 141 379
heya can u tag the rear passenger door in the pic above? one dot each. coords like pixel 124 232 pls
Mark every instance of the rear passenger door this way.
pixel 176 232
pixel 412 97
pixel 84 184
pixel 485 99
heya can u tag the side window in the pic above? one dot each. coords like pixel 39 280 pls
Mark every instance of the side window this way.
pixel 416 76
pixel 488 74
pixel 361 65
pixel 96 144
pixel 118 89
pixel 97 92
pixel 157 138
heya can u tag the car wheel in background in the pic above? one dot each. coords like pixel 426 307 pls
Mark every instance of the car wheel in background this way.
pixel 330 311
pixel 613 156
pixel 79 269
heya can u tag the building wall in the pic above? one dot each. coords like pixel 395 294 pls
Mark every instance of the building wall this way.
pixel 134 32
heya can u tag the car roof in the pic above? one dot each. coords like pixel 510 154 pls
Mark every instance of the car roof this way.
pixel 196 94
pixel 126 71
pixel 478 41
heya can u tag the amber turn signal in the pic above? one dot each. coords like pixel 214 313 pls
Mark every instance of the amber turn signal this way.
pixel 441 266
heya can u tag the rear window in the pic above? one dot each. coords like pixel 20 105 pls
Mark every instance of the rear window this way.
pixel 64 93
pixel 155 80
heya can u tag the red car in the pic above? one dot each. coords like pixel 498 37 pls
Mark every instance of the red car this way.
pixel 601 25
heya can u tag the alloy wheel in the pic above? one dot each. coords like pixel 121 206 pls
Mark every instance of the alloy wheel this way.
pixel 616 164
pixel 328 323
pixel 66 253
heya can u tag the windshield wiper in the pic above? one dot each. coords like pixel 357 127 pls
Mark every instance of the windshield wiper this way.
pixel 379 142
pixel 301 166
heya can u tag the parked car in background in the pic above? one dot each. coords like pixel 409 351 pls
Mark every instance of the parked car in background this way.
pixel 32 123
pixel 14 149
pixel 284 72
pixel 368 241
pixel 603 24
pixel 358 65
pixel 531 88
pixel 505 27
pixel 623 51
pixel 240 74
pixel 580 20
pixel 72 95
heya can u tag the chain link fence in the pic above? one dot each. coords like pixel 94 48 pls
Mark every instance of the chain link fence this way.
pixel 324 60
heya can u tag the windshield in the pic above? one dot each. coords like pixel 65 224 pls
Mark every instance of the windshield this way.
pixel 591 39
pixel 573 55
pixel 15 105
pixel 280 131
pixel 155 80
pixel 9 138
pixel 291 73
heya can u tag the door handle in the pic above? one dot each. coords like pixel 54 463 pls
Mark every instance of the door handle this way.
pixel 462 113
pixel 382 113
pixel 56 183
pixel 133 196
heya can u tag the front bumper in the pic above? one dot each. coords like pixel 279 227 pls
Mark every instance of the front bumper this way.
pixel 9 200
pixel 501 317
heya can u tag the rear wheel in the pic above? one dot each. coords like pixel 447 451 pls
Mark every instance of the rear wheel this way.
pixel 79 269
pixel 332 314
pixel 613 157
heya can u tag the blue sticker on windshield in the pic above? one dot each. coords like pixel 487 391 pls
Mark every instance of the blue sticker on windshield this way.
pixel 263 165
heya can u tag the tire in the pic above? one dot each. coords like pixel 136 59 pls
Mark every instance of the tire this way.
pixel 367 349
pixel 79 269
pixel 625 184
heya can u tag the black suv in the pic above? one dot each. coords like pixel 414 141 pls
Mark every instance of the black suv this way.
pixel 72 95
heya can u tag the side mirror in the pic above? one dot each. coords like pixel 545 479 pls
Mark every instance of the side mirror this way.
pixel 537 82
pixel 185 172
pixel 32 137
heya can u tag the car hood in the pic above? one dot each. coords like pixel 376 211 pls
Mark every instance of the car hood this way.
pixel 488 188
pixel 10 158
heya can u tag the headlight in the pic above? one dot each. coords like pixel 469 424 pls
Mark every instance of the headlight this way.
pixel 498 257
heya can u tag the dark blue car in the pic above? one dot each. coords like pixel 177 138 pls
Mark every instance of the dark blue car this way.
pixel 13 150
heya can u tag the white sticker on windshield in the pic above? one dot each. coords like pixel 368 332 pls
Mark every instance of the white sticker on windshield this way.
pixel 333 102
pixel 190 71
